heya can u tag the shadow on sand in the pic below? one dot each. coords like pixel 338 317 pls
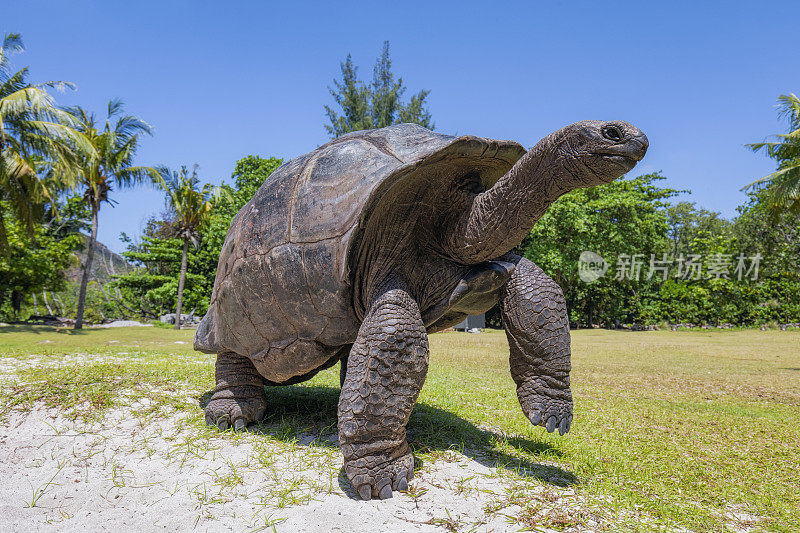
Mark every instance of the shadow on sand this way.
pixel 308 414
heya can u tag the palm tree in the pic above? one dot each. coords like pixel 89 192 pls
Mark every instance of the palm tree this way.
pixel 109 164
pixel 781 189
pixel 192 209
pixel 37 143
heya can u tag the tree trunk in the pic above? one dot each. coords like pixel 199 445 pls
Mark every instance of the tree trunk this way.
pixel 116 301
pixel 181 282
pixel 16 301
pixel 59 307
pixel 35 305
pixel 47 304
pixel 87 270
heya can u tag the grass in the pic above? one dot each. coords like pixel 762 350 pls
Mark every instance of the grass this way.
pixel 687 429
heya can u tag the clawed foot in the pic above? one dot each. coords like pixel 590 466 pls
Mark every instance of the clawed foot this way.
pixel 235 412
pixel 376 476
pixel 550 413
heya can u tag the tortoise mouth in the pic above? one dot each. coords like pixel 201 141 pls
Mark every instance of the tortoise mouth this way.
pixel 628 153
pixel 623 157
pixel 620 159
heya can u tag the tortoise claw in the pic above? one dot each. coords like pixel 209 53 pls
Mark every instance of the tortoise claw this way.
pixel 236 412
pixel 365 492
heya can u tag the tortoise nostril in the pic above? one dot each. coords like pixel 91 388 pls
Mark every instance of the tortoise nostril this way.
pixel 612 133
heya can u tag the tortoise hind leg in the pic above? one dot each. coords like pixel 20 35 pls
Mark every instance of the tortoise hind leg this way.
pixel 343 355
pixel 239 397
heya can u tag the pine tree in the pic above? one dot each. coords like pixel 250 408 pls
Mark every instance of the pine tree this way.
pixel 376 105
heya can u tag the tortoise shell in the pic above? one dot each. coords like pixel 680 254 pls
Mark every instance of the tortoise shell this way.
pixel 285 292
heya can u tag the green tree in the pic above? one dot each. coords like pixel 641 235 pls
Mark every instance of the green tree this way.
pixel 634 216
pixel 757 230
pixel 107 165
pixel 151 289
pixel 33 262
pixel 376 105
pixel 36 143
pixel 191 206
pixel 624 217
pixel 691 226
pixel 782 187
pixel 248 175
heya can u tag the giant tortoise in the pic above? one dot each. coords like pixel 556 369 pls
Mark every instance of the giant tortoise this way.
pixel 357 250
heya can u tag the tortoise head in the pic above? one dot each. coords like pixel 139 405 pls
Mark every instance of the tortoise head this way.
pixel 583 154
pixel 595 152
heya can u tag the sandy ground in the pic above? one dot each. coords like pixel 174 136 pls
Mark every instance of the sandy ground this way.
pixel 156 473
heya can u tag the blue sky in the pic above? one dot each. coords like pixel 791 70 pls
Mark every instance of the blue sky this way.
pixel 221 80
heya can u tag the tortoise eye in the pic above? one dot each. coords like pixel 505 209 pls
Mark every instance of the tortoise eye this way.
pixel 612 133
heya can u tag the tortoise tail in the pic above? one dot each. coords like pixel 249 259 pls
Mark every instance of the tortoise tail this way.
pixel 205 338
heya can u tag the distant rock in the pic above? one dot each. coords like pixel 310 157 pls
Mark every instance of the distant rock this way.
pixel 186 320
pixel 122 324
pixel 105 265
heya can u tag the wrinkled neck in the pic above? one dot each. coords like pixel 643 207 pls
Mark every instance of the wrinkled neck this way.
pixel 497 220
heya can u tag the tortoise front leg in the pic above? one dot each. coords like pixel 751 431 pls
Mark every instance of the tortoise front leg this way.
pixel 535 319
pixel 385 372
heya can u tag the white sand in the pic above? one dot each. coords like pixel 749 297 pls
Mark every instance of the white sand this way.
pixel 146 469
pixel 157 474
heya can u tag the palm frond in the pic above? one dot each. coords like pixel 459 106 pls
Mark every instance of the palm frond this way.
pixel 128 126
pixel 13 82
pixel 115 106
pixel 84 120
pixel 789 108
pixel 130 176
pixel 61 134
pixel 60 86
pixel 27 99
pixel 13 42
pixel 781 189
pixel 762 145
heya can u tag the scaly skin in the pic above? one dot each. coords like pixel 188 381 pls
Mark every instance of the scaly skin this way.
pixel 385 372
pixel 535 318
pixel 239 397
